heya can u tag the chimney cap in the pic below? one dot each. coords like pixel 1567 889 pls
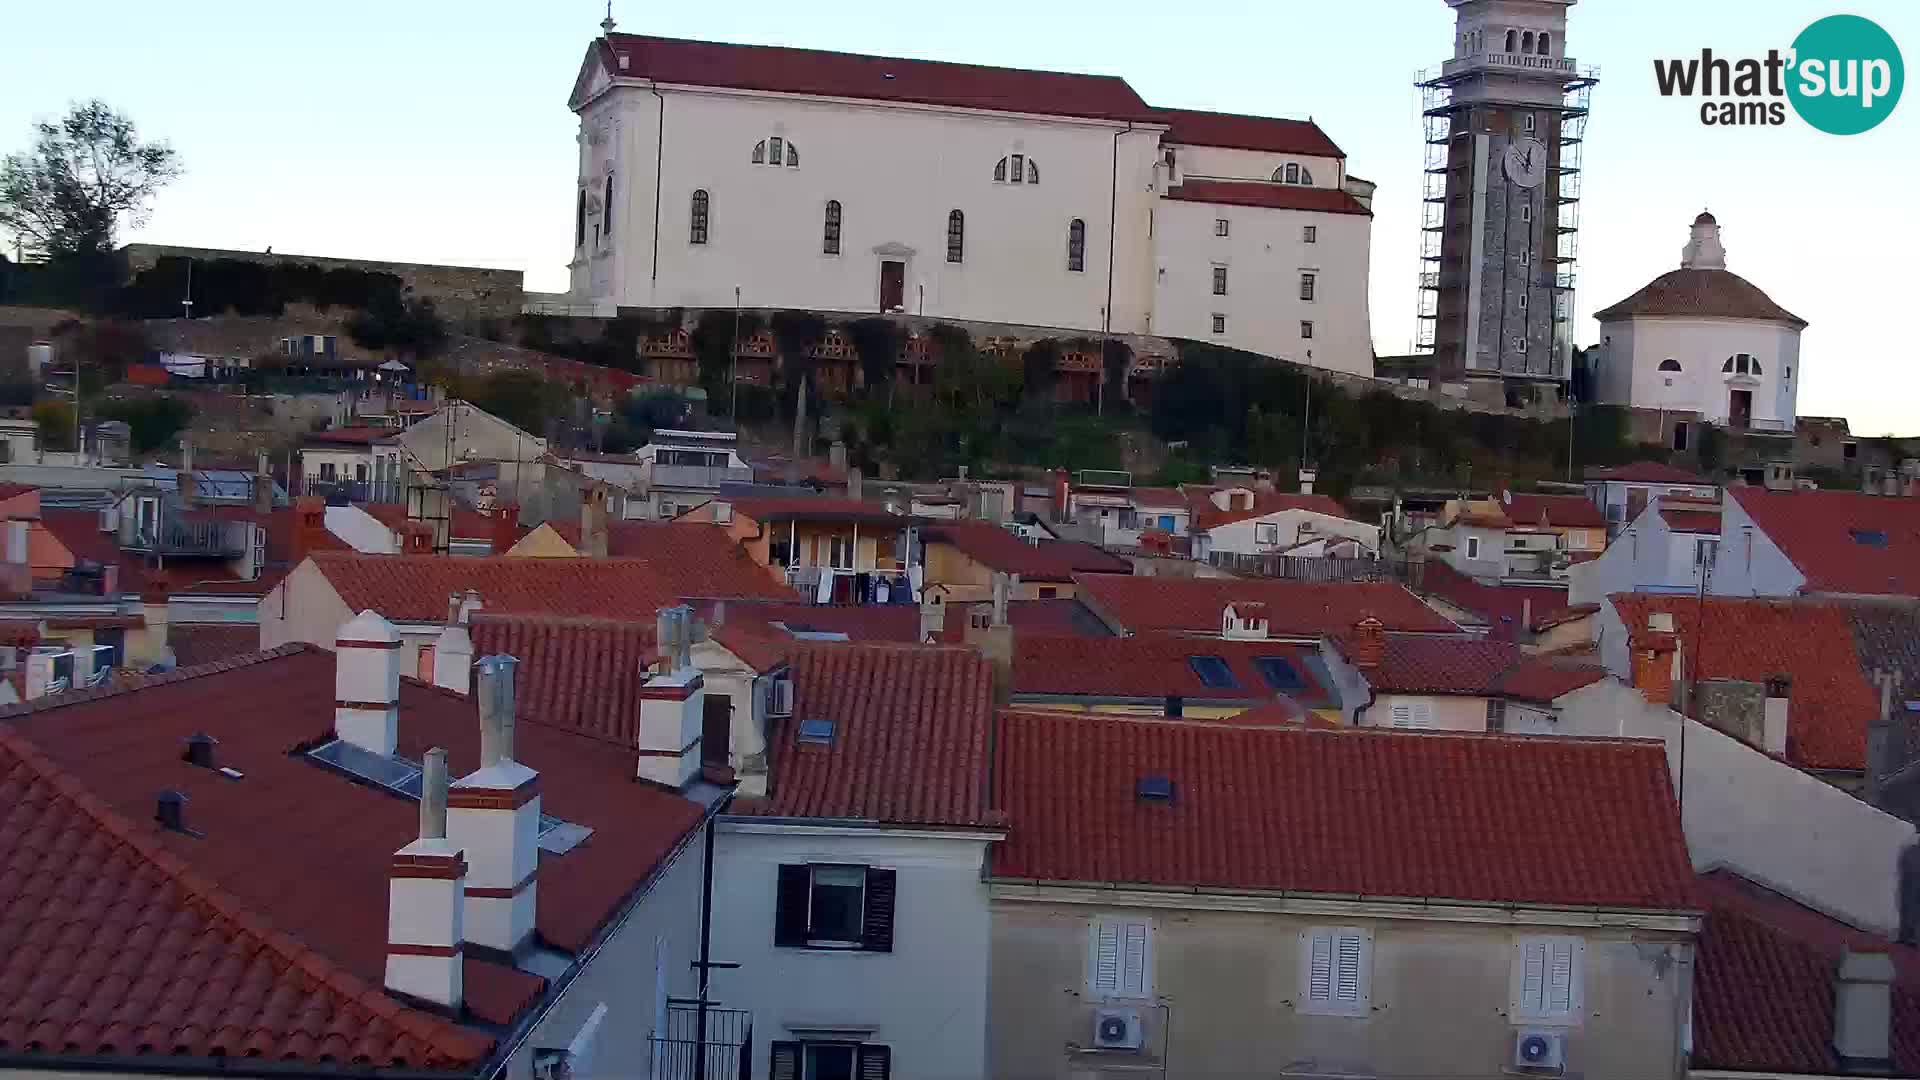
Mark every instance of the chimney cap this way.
pixel 199 750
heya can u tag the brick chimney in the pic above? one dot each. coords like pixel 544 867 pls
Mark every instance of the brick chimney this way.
pixel 309 523
pixel 262 486
pixel 1367 646
pixel 1653 666
pixel 991 632
pixel 506 527
pixel 366 683
pixel 1863 1011
pixel 426 897
pixel 672 705
pixel 416 538
pixel 593 522
pixel 1773 717
pixel 493 813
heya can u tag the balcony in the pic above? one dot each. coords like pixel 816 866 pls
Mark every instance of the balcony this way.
pixel 342 492
pixel 718 1046
pixel 700 477
pixel 828 585
pixel 1558 65
pixel 175 536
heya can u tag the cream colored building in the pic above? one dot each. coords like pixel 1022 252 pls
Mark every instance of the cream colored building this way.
pixel 711 174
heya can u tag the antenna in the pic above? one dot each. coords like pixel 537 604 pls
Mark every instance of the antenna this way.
pixel 606 24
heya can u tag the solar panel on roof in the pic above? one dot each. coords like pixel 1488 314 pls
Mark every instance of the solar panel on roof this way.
pixel 1212 671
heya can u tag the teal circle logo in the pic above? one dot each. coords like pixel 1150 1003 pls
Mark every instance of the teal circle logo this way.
pixel 1847 75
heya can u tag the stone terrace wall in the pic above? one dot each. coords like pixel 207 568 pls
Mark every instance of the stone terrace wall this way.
pixel 461 292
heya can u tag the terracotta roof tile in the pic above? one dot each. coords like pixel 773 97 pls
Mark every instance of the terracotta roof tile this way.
pixel 1648 472
pixel 1557 511
pixel 414 588
pixel 909 745
pixel 111 944
pixel 1234 132
pixel 1508 610
pixel 1691 521
pixel 899 623
pixel 1272 502
pixel 1157 666
pixel 1842 541
pixel 1413 664
pixel 1057 618
pixel 1049 560
pixel 582 675
pixel 1718 294
pixel 1830 702
pixel 850 75
pixel 351 436
pixel 1298 608
pixel 1354 811
pixel 1763 984
pixel 1267 194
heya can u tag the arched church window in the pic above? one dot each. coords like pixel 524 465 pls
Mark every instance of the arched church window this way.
pixel 1546 48
pixel 776 149
pixel 1513 40
pixel 830 242
pixel 606 216
pixel 1669 364
pixel 1756 365
pixel 1017 171
pixel 760 152
pixel 1033 172
pixel 793 155
pixel 1305 176
pixel 1000 171
pixel 956 236
pixel 697 221
pixel 580 218
pixel 1526 42
pixel 1293 172
pixel 1077 245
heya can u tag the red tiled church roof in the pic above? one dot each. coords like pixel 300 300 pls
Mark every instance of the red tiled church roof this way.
pixel 1297 608
pixel 1356 811
pixel 1235 132
pixel 1267 194
pixel 1698 293
pixel 1824 533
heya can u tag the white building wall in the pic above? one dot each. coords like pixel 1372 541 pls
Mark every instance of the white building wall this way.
pixel 1448 712
pixel 1243 537
pixel 1636 347
pixel 1750 564
pixel 1222 162
pixel 1647 556
pixel 927 999
pixel 360 530
pixel 1265 254
pixel 313 463
pixel 652 949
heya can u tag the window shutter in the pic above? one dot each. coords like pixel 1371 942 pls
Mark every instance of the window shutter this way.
pixel 1133 971
pixel 790 905
pixel 1559 979
pixel 876 929
pixel 1105 973
pixel 1533 977
pixel 1320 968
pixel 876 1063
pixel 1402 714
pixel 1347 955
pixel 786 1060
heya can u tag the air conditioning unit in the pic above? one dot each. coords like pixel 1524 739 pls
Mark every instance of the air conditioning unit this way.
pixel 1535 1048
pixel 1117 1029
pixel 780 701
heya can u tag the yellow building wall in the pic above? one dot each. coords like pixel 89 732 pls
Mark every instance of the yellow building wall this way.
pixel 543 543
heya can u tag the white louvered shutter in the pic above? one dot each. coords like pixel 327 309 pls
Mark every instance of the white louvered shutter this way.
pixel 1347 969
pixel 1320 968
pixel 1133 973
pixel 1402 714
pixel 1559 979
pixel 1533 977
pixel 1104 973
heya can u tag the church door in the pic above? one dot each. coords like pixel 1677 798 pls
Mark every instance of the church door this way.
pixel 893 285
pixel 1740 410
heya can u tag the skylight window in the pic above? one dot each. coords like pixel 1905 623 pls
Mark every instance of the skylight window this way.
pixel 816 731
pixel 1155 789
pixel 1870 537
pixel 1212 671
pixel 1278 672
pixel 402 777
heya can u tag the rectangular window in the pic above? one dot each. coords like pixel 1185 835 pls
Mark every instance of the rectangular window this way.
pixel 1279 672
pixel 821 1060
pixel 1496 714
pixel 1309 234
pixel 1219 281
pixel 1526 213
pixel 1335 975
pixel 834 906
pixel 1527 122
pixel 1306 286
pixel 1212 672
pixel 1526 256
pixel 1473 547
pixel 1120 959
pixel 1523 301
pixel 1019 169
pixel 1546 978
pixel 1266 534
pixel 840 552
pixel 1220 226
pixel 1219 323
pixel 1306 329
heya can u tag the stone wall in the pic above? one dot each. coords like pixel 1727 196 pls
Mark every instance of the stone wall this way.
pixel 461 292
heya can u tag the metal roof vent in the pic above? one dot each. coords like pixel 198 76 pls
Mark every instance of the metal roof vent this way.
pixel 170 811
pixel 1155 789
pixel 199 751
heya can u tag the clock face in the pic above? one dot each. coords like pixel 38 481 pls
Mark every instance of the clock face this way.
pixel 1526 162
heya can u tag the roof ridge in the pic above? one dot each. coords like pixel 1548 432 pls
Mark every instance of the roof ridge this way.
pixel 143 682
pixel 227 909
pixel 1345 730
pixel 870 56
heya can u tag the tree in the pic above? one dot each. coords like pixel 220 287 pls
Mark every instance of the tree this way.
pixel 151 422
pixel 54 422
pixel 66 196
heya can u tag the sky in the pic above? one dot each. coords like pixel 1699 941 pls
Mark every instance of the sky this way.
pixel 436 131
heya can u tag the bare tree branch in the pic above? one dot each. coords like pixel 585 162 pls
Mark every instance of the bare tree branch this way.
pixel 68 194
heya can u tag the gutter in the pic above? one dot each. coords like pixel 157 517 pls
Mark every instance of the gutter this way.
pixel 659 163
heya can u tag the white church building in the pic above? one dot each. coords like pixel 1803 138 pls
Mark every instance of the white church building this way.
pixel 1702 339
pixel 793 178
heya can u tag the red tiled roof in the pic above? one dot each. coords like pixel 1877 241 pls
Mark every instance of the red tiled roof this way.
pixel 265 834
pixel 1298 608
pixel 690 548
pixel 1648 472
pixel 14 491
pixel 1763 984
pixel 1414 664
pixel 1157 666
pixel 909 739
pixel 1058 618
pixel 1281 712
pixel 1267 194
pixel 352 436
pixel 1234 132
pixel 414 588
pixel 111 944
pixel 1692 521
pixel 1049 560
pixel 1717 294
pixel 1505 608
pixel 1821 532
pixel 582 675
pixel 761 648
pixel 79 532
pixel 880 78
pixel 1271 502
pixel 1157 496
pixel 1355 811
pixel 196 644
pixel 1830 702
pixel 1557 511
pixel 899 623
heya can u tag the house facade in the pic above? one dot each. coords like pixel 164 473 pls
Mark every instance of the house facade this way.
pixel 713 174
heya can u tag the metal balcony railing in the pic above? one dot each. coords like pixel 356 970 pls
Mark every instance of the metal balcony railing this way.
pixel 720 1048
pixel 697 476
pixel 172 536
pixel 356 491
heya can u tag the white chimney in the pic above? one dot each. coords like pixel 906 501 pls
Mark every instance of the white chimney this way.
pixel 49 671
pixel 366 683
pixel 426 897
pixel 493 814
pixel 17 530
pixel 1773 720
pixel 672 705
pixel 453 649
pixel 1863 1011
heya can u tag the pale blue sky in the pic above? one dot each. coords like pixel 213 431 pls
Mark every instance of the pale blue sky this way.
pixel 438 131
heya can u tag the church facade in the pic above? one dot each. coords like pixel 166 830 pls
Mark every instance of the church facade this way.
pixel 711 174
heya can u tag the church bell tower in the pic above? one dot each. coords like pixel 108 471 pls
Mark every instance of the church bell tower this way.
pixel 1505 120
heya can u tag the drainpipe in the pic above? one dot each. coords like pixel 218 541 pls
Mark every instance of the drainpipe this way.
pixel 659 161
pixel 706 952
